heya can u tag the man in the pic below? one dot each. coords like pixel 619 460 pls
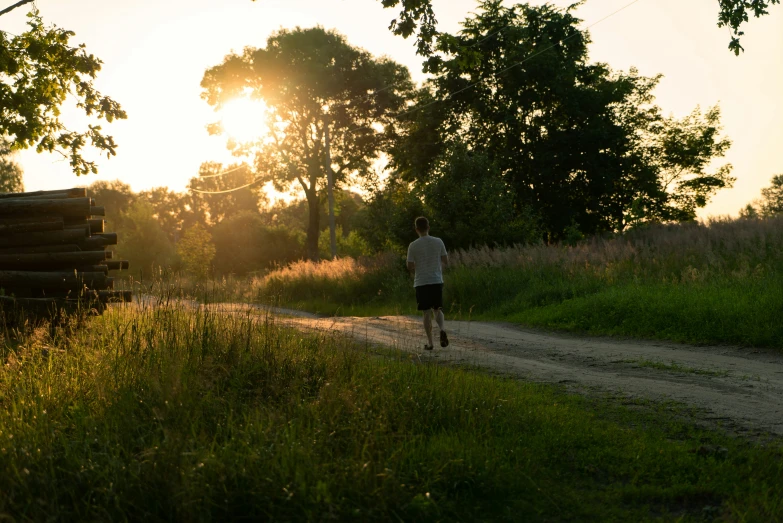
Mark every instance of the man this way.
pixel 426 258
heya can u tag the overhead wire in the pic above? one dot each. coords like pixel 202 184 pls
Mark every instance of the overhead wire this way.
pixel 468 87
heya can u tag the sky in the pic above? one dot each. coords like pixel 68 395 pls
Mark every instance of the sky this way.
pixel 155 53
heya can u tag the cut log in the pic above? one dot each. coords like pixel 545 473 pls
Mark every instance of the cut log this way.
pixel 93 268
pixel 50 260
pixel 10 226
pixel 16 220
pixel 32 206
pixel 97 210
pixel 119 265
pixel 76 192
pixel 97 225
pixel 62 280
pixel 116 296
pixel 98 242
pixel 70 236
pixel 81 227
pixel 40 248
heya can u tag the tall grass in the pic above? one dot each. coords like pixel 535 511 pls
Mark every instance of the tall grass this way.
pixel 714 282
pixel 172 411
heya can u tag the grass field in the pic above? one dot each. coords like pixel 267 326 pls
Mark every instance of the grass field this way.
pixel 166 412
pixel 713 283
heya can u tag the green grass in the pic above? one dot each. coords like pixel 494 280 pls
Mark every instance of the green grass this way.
pixel 168 413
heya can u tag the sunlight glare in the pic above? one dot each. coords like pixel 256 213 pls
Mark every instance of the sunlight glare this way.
pixel 243 119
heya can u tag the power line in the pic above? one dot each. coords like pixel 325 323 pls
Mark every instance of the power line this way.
pixel 235 169
pixel 228 190
pixel 470 86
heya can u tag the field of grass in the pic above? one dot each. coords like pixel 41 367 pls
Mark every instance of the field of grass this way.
pixel 720 282
pixel 166 412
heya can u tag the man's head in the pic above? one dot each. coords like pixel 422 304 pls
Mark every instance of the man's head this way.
pixel 422 225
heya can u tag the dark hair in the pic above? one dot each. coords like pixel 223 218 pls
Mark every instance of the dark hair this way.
pixel 422 224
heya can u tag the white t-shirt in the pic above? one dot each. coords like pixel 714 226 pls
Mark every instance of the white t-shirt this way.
pixel 425 253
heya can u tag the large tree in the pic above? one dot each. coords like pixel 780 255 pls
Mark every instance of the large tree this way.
pixel 39 70
pixel 577 144
pixel 319 89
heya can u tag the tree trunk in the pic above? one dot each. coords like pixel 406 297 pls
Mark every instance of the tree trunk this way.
pixel 314 225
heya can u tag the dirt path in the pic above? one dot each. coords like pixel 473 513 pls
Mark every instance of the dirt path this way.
pixel 739 389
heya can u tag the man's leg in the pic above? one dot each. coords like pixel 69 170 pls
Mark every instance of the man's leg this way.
pixel 440 319
pixel 428 325
pixel 444 340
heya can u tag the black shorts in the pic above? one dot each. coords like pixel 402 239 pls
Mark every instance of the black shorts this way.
pixel 429 297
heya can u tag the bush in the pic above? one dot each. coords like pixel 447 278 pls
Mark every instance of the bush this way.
pixel 244 245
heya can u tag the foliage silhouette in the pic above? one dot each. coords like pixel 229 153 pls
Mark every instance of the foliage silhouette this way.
pixel 577 143
pixel 39 70
pixel 312 79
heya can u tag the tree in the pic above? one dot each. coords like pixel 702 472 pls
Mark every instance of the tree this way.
pixel 245 244
pixel 39 70
pixel 319 90
pixel 471 204
pixel 577 144
pixel 770 203
pixel 772 197
pixel 144 243
pixel 734 13
pixel 196 251
pixel 10 172
pixel 417 16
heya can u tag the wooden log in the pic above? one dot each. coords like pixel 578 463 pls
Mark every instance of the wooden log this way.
pixel 97 225
pixel 61 280
pixel 107 284
pixel 116 296
pixel 76 192
pixel 11 226
pixel 40 248
pixel 16 220
pixel 110 237
pixel 70 236
pixel 98 242
pixel 119 265
pixel 93 268
pixel 32 206
pixel 97 210
pixel 80 227
pixel 50 260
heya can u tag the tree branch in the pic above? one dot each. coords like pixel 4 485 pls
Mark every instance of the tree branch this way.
pixel 11 8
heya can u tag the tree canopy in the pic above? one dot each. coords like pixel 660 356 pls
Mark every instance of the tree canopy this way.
pixel 573 144
pixel 417 17
pixel 316 85
pixel 39 70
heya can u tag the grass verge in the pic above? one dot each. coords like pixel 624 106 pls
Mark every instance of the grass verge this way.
pixel 174 413
pixel 720 283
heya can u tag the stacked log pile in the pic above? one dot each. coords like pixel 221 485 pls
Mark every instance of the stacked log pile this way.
pixel 53 252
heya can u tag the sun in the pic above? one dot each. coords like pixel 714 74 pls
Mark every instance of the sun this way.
pixel 243 119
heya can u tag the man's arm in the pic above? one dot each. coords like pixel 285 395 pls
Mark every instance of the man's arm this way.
pixel 411 267
pixel 444 260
